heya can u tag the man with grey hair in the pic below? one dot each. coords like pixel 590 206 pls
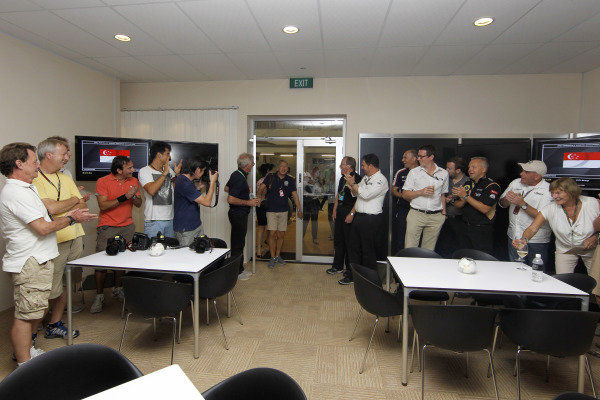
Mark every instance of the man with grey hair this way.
pixel 239 207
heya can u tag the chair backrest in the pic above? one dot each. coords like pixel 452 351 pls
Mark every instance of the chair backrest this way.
pixel 474 254
pixel 417 252
pixel 457 328
pixel 582 282
pixel 573 396
pixel 155 298
pixel 220 281
pixel 559 333
pixel 69 372
pixel 371 296
pixel 256 384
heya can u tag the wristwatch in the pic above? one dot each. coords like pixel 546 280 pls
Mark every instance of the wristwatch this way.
pixel 524 206
pixel 72 220
pixel 352 214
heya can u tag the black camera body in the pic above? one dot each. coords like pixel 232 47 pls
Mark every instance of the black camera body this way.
pixel 115 245
pixel 201 244
pixel 165 240
pixel 211 167
pixel 140 241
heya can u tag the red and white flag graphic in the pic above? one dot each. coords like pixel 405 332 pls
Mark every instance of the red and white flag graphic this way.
pixel 581 160
pixel 107 155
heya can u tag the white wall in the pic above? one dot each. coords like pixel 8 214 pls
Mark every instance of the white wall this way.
pixel 481 105
pixel 45 95
pixel 591 101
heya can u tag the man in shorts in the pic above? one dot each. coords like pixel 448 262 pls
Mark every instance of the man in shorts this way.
pixel 29 232
pixel 277 188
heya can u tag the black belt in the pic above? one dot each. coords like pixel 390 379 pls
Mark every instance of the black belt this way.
pixel 426 211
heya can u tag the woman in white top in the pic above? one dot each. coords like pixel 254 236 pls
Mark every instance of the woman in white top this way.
pixel 574 219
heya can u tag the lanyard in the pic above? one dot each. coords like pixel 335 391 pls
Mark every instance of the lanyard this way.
pixel 38 196
pixel 571 223
pixel 53 185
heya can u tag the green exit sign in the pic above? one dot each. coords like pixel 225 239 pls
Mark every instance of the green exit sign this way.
pixel 301 83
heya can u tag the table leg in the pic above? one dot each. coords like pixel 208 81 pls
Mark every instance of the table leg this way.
pixel 69 306
pixel 585 305
pixel 197 312
pixel 405 338
pixel 229 305
pixel 388 284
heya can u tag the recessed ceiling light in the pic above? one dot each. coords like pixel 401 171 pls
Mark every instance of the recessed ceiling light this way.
pixel 290 29
pixel 483 21
pixel 122 38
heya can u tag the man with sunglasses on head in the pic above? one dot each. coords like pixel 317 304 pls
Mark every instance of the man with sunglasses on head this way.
pixel 425 187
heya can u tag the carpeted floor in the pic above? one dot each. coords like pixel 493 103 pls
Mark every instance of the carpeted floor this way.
pixel 298 319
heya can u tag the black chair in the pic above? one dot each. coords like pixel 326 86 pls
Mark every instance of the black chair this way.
pixel 70 373
pixel 423 295
pixel 455 328
pixel 573 396
pixel 155 298
pixel 558 333
pixel 374 299
pixel 474 254
pixel 218 283
pixel 583 282
pixel 256 384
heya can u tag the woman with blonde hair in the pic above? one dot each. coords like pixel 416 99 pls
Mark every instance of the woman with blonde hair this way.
pixel 574 219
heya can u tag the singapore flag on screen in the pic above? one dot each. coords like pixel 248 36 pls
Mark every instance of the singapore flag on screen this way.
pixel 581 160
pixel 107 155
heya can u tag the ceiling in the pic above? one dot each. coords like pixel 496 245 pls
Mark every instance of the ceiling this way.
pixel 207 40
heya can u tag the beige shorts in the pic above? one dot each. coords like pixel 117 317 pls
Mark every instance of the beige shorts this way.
pixel 67 251
pixel 32 289
pixel 277 221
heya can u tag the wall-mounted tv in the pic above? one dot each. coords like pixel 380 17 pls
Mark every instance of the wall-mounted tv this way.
pixel 575 158
pixel 94 155
pixel 209 152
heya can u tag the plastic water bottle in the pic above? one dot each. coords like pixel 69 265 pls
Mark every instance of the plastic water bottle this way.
pixel 537 266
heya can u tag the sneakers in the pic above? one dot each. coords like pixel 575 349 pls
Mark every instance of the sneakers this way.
pixel 280 260
pixel 59 330
pixel 75 308
pixel 97 305
pixel 33 353
pixel 333 271
pixel 117 293
pixel 346 281
pixel 33 337
pixel 272 262
pixel 245 275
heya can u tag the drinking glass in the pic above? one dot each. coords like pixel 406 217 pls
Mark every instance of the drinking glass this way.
pixel 522 251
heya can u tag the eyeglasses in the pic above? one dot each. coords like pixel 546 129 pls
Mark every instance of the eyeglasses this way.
pixel 421 156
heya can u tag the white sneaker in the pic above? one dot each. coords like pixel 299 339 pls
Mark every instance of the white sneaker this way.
pixel 33 352
pixel 245 275
pixel 97 305
pixel 117 292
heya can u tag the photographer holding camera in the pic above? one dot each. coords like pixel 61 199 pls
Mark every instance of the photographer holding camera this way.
pixel 187 223
pixel 117 193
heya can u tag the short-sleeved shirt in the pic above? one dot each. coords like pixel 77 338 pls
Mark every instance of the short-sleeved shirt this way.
pixel 278 191
pixel 570 236
pixel 50 190
pixel 110 187
pixel 21 204
pixel 486 191
pixel 538 197
pixel 345 198
pixel 450 209
pixel 187 211
pixel 160 206
pixel 418 178
pixel 371 194
pixel 238 188
pixel 399 181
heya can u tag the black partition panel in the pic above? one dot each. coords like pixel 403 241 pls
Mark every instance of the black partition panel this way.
pixel 381 147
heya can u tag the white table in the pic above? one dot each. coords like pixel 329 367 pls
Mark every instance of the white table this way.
pixel 177 261
pixel 167 383
pixel 492 277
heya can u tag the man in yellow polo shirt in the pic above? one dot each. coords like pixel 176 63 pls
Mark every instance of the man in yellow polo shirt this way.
pixel 60 195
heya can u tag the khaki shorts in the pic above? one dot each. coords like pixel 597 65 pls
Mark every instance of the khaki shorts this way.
pixel 32 289
pixel 277 221
pixel 67 251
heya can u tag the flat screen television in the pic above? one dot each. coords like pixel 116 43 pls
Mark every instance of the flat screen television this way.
pixel 94 155
pixel 575 158
pixel 209 152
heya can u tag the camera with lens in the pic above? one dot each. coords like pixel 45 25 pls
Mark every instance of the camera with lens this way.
pixel 201 244
pixel 211 167
pixel 115 245
pixel 140 241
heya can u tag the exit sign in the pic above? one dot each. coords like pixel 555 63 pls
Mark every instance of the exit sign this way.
pixel 301 83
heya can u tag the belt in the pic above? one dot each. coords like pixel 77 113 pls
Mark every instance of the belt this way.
pixel 365 214
pixel 426 211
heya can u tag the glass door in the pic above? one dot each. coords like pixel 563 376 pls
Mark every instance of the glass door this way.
pixel 317 174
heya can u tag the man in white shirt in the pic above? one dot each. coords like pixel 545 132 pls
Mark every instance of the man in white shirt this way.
pixel 29 233
pixel 526 196
pixel 366 215
pixel 157 179
pixel 425 187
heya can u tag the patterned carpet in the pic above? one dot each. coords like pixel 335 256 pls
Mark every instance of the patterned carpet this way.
pixel 298 319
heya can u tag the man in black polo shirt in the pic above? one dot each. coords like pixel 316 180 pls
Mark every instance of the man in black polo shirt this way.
pixel 402 206
pixel 341 208
pixel 277 188
pixel 478 198
pixel 239 207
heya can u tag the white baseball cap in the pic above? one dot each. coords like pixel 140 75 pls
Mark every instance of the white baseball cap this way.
pixel 535 166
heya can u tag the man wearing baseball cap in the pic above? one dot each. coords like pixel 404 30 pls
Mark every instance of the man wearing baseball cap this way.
pixel 525 196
